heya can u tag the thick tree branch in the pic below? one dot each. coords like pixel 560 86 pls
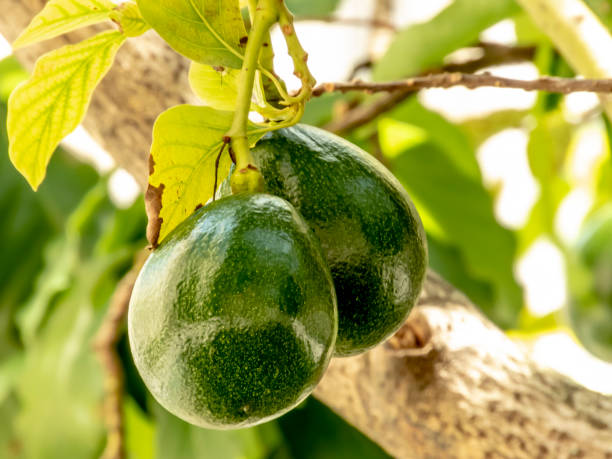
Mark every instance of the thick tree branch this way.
pixel 450 384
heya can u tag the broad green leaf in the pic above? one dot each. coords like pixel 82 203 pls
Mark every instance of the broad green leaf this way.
pixel 127 16
pixel 51 104
pixel 312 7
pixel 423 46
pixel 547 151
pixel 455 207
pixel 61 258
pixel 176 438
pixel 186 142
pixel 205 31
pixel 61 16
pixel 432 127
pixel 320 110
pixel 217 87
pixel 61 386
pixel 480 129
pixel 527 33
pixel 448 261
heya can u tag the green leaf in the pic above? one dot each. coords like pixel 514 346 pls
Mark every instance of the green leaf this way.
pixel 547 152
pixel 448 261
pixel 186 142
pixel 176 438
pixel 128 17
pixel 423 46
pixel 61 16
pixel 61 385
pixel 442 177
pixel 217 87
pixel 51 104
pixel 205 31
pixel 312 7
pixel 480 129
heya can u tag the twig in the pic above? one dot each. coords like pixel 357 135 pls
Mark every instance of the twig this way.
pixel 401 90
pixel 104 344
pixel 447 80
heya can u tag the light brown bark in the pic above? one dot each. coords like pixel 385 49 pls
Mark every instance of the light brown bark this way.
pixel 449 384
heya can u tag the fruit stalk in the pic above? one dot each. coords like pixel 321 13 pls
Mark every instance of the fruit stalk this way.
pixel 246 177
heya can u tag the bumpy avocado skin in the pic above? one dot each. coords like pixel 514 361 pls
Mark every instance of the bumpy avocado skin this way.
pixel 233 318
pixel 370 232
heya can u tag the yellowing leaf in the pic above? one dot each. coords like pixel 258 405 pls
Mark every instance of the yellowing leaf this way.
pixel 186 142
pixel 217 87
pixel 61 16
pixel 53 101
pixel 128 17
pixel 205 31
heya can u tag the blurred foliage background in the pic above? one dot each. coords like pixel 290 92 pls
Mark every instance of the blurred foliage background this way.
pixel 65 248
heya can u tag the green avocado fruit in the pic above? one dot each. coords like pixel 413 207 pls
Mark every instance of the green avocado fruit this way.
pixel 590 303
pixel 233 318
pixel 370 232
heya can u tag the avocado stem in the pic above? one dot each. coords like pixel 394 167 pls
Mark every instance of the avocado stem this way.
pixel 266 14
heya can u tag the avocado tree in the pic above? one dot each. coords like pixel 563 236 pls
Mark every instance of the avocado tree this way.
pixel 449 382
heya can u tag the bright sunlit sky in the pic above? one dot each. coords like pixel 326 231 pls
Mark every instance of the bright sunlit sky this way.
pixel 335 49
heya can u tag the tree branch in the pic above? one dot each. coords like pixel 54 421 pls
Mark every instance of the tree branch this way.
pixel 471 81
pixel 450 384
pixel 104 344
pixel 493 54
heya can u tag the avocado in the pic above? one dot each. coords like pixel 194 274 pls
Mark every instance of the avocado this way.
pixel 233 318
pixel 370 232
